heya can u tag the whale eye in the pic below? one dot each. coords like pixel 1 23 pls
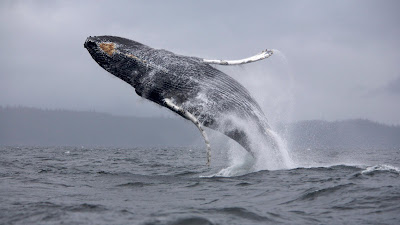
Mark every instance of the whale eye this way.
pixel 108 48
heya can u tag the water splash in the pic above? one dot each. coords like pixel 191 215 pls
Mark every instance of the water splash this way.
pixel 271 84
pixel 283 150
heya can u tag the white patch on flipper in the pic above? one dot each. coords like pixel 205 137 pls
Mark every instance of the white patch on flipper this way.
pixel 263 55
pixel 192 118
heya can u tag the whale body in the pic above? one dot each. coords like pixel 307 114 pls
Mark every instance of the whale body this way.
pixel 188 86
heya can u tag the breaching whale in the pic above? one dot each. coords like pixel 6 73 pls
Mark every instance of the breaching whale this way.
pixel 189 86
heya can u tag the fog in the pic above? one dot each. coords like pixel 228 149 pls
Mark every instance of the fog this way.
pixel 343 55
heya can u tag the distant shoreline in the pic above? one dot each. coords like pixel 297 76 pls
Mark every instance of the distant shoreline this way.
pixel 24 126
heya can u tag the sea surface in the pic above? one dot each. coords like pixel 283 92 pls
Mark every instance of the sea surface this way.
pixel 80 185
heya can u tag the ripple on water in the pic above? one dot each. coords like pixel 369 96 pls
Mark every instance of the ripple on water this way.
pixel 241 213
pixel 191 221
pixel 315 193
pixel 134 184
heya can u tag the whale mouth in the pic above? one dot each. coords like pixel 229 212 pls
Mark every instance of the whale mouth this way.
pixel 90 43
pixel 106 47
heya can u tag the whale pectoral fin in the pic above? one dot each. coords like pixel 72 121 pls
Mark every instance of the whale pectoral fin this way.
pixel 263 55
pixel 192 118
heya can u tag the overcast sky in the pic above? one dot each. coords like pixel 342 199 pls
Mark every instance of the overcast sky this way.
pixel 343 56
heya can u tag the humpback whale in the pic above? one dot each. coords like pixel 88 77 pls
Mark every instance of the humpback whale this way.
pixel 192 87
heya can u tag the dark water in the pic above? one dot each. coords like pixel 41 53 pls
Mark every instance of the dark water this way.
pixel 173 186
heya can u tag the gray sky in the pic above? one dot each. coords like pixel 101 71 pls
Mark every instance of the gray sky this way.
pixel 343 56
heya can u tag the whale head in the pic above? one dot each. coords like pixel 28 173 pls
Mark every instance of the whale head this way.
pixel 119 56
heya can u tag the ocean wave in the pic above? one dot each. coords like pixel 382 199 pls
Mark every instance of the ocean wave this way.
pixel 195 220
pixel 134 184
pixel 237 171
pixel 315 193
pixel 241 213
pixel 381 168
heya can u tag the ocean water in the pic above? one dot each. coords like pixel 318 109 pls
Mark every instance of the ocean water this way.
pixel 78 185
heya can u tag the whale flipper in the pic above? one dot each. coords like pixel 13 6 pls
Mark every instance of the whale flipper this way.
pixel 263 55
pixel 191 117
